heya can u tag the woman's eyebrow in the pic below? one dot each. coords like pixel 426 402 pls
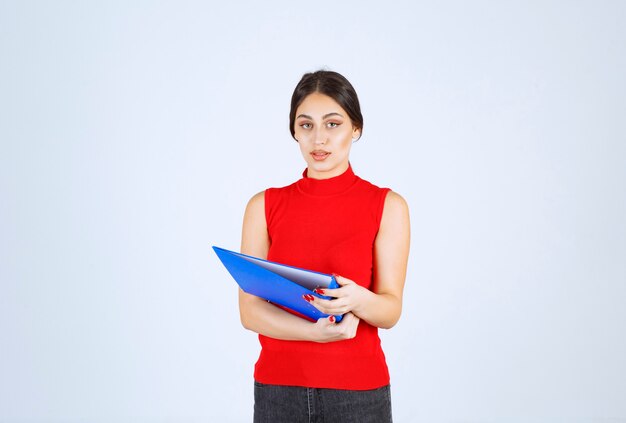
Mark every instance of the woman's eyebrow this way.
pixel 323 117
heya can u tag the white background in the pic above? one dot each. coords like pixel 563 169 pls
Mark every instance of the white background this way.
pixel 133 134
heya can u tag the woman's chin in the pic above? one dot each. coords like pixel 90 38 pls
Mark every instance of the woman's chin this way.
pixel 324 169
pixel 321 166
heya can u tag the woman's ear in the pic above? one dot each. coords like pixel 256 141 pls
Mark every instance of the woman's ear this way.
pixel 356 134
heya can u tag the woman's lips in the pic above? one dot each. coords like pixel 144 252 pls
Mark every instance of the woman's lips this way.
pixel 320 155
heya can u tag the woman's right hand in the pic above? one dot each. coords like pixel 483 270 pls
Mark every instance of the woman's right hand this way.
pixel 326 330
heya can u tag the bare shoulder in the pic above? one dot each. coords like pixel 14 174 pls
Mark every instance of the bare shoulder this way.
pixel 395 204
pixel 257 202
pixel 255 210
pixel 254 236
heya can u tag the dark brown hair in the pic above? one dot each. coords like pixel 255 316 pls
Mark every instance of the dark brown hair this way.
pixel 335 86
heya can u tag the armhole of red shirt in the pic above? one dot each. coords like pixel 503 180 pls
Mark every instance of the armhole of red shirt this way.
pixel 266 207
pixel 381 206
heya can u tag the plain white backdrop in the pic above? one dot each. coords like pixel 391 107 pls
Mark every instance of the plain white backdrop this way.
pixel 134 133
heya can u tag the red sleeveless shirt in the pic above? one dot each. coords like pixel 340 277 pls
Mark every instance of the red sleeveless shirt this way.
pixel 326 225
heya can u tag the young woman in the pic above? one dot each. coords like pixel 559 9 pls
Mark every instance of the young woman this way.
pixel 330 221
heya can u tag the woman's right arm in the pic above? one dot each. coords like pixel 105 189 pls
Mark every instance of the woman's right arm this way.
pixel 262 317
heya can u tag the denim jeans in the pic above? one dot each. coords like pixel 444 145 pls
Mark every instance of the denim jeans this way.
pixel 295 404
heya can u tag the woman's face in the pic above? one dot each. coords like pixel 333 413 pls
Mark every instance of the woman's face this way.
pixel 324 132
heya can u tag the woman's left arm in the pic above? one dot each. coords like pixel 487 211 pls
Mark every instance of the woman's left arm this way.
pixel 382 306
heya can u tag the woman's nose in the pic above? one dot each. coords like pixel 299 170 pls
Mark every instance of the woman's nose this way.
pixel 320 137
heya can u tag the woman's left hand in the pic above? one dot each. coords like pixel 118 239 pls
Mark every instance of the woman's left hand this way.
pixel 350 296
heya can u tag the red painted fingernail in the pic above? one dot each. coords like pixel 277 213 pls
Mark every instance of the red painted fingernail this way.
pixel 309 297
pixel 332 319
pixel 319 291
pixel 306 297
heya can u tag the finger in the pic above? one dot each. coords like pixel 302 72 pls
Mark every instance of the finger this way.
pixel 335 293
pixel 342 281
pixel 336 311
pixel 316 302
pixel 338 306
pixel 349 325
pixel 350 318
pixel 327 321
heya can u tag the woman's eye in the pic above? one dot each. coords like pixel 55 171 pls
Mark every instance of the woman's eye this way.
pixel 333 124
pixel 306 125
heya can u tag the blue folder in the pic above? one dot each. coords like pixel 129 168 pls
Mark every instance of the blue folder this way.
pixel 278 283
